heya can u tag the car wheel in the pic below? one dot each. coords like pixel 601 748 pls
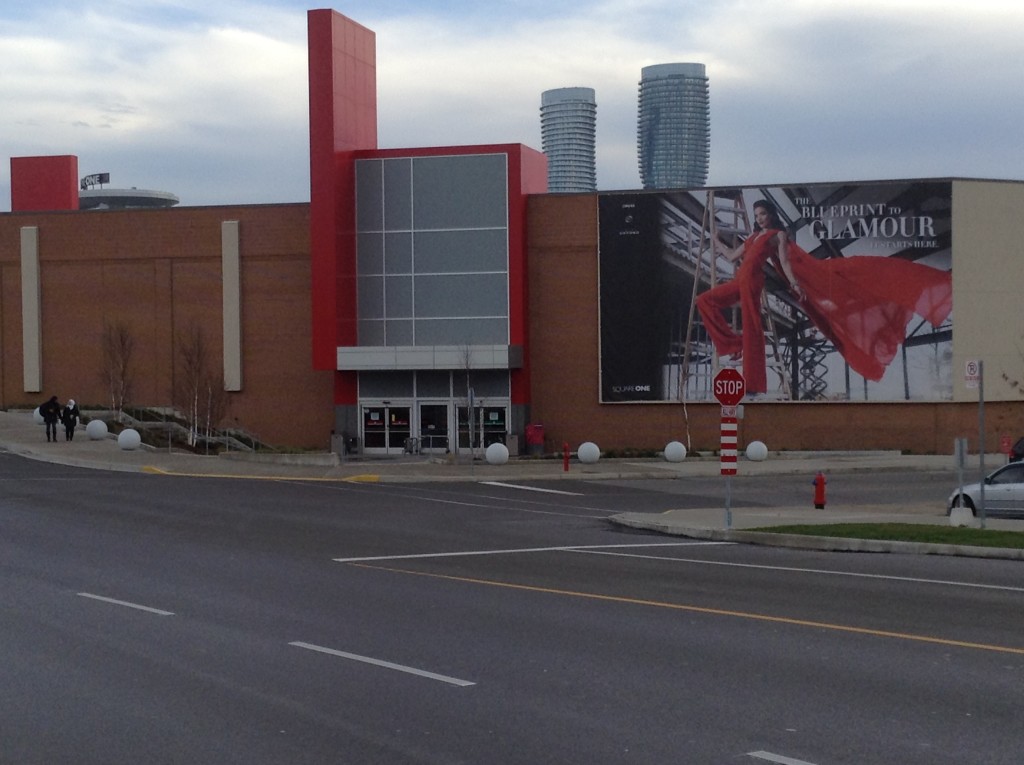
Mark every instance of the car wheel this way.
pixel 963 500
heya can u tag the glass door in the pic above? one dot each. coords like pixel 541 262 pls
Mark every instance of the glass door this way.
pixel 434 428
pixel 375 427
pixel 386 429
pixel 487 426
pixel 494 426
pixel 399 428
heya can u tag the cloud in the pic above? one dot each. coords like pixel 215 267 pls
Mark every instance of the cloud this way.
pixel 209 100
pixel 134 97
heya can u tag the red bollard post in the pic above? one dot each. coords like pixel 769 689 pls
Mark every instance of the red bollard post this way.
pixel 819 491
pixel 565 456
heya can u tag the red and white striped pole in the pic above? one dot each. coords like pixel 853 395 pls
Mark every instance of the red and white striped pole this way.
pixel 729 451
pixel 730 441
pixel 729 388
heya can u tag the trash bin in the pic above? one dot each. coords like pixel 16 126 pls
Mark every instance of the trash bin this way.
pixel 535 439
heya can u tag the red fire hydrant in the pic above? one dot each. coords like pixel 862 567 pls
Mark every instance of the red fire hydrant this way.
pixel 819 491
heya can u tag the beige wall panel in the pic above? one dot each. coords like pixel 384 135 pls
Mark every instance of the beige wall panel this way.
pixel 31 311
pixel 988 285
pixel 232 305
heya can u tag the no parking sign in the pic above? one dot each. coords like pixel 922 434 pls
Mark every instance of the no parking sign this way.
pixel 972 373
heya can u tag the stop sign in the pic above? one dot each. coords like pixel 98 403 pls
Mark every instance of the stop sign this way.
pixel 728 387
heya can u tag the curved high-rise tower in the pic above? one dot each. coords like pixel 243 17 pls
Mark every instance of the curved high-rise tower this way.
pixel 568 118
pixel 673 134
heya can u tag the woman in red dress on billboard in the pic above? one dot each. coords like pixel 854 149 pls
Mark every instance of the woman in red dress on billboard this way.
pixel 862 304
pixel 744 290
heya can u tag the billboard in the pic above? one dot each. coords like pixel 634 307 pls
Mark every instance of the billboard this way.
pixel 838 292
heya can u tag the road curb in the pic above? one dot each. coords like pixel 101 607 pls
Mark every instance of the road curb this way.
pixel 822 543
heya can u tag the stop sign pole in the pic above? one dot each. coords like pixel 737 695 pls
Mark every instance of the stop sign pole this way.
pixel 729 388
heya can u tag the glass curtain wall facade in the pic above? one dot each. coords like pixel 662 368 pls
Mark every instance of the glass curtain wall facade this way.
pixel 432 251
pixel 568 121
pixel 433 309
pixel 673 126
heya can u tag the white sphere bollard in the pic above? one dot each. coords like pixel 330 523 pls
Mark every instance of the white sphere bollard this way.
pixel 96 430
pixel 496 454
pixel 129 439
pixel 675 451
pixel 757 451
pixel 962 516
pixel 36 417
pixel 588 453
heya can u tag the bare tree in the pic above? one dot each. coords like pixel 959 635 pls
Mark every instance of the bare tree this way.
pixel 199 391
pixel 117 345
pixel 218 402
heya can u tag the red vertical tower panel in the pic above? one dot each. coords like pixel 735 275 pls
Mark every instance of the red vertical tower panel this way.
pixel 342 120
pixel 528 174
pixel 44 183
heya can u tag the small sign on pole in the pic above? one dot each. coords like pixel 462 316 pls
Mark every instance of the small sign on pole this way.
pixel 972 373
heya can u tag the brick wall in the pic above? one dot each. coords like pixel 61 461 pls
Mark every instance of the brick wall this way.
pixel 158 273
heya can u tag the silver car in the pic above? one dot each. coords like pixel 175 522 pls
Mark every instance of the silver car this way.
pixel 1004 493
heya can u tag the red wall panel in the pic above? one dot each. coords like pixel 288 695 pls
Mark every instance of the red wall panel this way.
pixel 44 183
pixel 342 119
pixel 528 175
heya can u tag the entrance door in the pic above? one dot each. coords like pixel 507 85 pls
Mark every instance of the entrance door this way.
pixel 487 426
pixel 386 428
pixel 434 428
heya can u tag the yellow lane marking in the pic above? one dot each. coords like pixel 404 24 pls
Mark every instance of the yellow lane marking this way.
pixel 363 478
pixel 711 611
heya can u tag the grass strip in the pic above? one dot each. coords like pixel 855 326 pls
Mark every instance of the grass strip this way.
pixel 907 532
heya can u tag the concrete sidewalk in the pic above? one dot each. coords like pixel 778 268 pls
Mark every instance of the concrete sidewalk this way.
pixel 20 434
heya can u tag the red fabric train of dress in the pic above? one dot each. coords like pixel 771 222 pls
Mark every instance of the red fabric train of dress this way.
pixel 863 304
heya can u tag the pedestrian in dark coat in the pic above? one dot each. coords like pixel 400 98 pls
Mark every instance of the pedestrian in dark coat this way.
pixel 50 412
pixel 70 417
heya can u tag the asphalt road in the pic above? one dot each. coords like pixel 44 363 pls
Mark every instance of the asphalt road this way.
pixel 172 620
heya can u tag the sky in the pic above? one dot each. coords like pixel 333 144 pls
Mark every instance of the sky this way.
pixel 208 100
